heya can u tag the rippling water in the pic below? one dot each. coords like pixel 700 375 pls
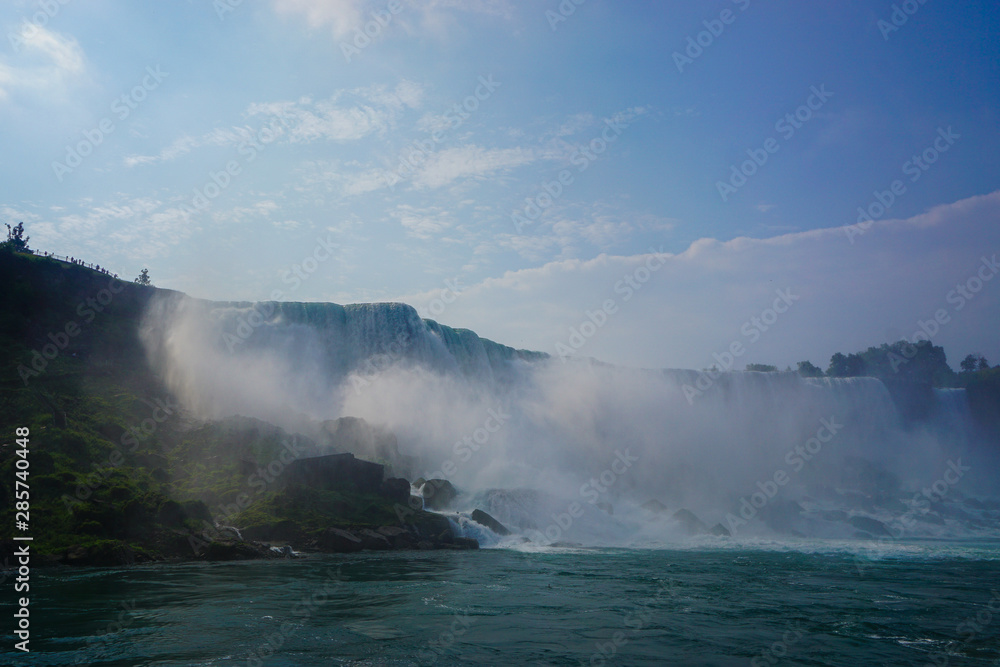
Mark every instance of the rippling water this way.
pixel 807 604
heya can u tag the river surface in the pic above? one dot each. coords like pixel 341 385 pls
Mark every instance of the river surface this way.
pixel 806 603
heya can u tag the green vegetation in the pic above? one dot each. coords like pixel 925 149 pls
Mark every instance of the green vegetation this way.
pixel 118 472
pixel 808 370
pixel 16 240
pixel 762 368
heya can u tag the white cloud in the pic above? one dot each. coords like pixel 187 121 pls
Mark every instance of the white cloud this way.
pixel 450 164
pixel 47 64
pixel 423 223
pixel 344 16
pixel 304 121
pixel 850 296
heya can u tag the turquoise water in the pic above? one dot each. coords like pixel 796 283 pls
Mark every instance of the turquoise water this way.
pixel 808 604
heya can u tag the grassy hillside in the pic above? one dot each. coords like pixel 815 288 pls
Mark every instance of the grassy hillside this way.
pixel 118 472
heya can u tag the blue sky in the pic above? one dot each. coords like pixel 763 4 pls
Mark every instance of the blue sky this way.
pixel 313 131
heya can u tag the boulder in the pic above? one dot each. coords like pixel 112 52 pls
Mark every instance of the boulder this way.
pixel 233 550
pixel 339 541
pixel 655 506
pixel 720 530
pixel 396 489
pixel 464 543
pixel 869 525
pixel 485 519
pixel 334 472
pixel 691 523
pixel 607 508
pixel 438 494
pixel 373 540
pixel 284 530
pixel 399 538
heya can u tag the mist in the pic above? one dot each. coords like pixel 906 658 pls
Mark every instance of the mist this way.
pixel 542 442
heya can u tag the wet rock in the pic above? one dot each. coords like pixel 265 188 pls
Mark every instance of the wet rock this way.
pixel 691 523
pixel 399 538
pixel 438 494
pixel 233 550
pixel 464 543
pixel 869 525
pixel 720 530
pixel 339 541
pixel 373 540
pixel 281 530
pixel 485 519
pixel 607 508
pixel 396 489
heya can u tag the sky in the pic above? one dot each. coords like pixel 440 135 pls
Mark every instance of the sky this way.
pixel 652 184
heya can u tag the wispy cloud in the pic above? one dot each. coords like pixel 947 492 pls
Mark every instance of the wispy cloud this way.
pixel 468 161
pixel 344 16
pixel 304 121
pixel 48 64
pixel 423 223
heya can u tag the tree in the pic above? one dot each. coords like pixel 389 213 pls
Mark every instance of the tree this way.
pixel 762 368
pixel 16 240
pixel 844 366
pixel 808 370
pixel 973 363
pixel 143 278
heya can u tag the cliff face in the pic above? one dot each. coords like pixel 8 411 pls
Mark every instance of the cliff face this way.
pixel 121 472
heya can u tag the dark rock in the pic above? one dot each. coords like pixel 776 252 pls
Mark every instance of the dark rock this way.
pixel 607 508
pixel 779 514
pixel 227 550
pixel 424 545
pixel 691 523
pixel 339 541
pixel 720 530
pixel 445 537
pixel 77 555
pixel 373 540
pixel 654 506
pixel 465 543
pixel 438 494
pixel 869 525
pixel 334 472
pixel 396 489
pixel 485 519
pixel 974 504
pixel 566 544
pixel 286 530
pixel 834 515
pixel 399 538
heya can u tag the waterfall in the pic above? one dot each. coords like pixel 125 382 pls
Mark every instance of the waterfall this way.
pixel 544 434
